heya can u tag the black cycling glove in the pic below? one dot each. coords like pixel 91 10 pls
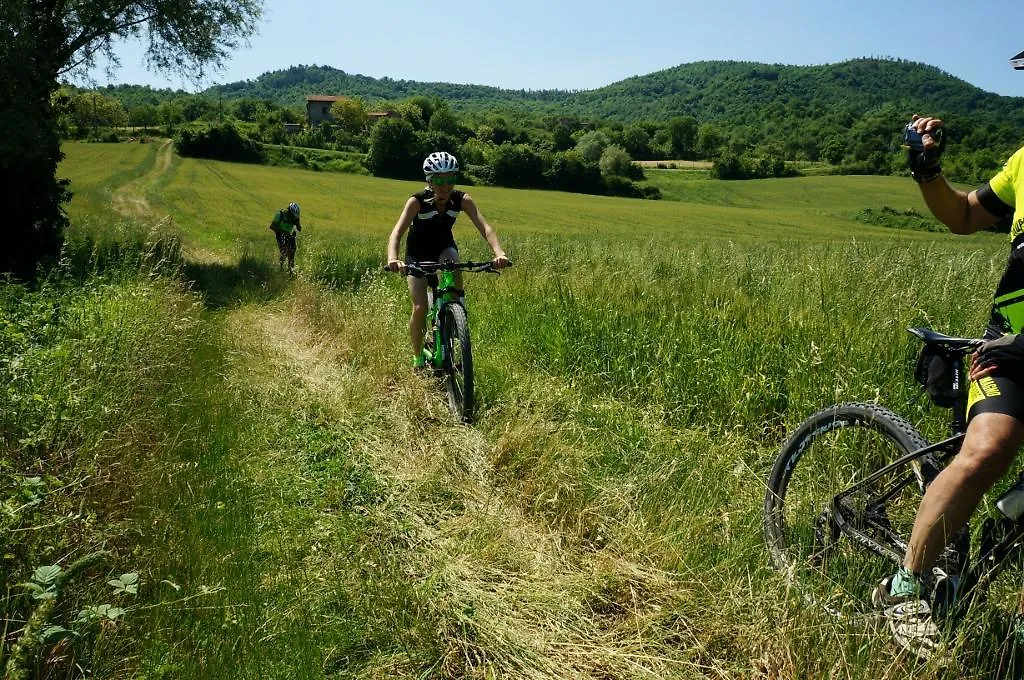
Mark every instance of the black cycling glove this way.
pixel 925 165
pixel 1005 353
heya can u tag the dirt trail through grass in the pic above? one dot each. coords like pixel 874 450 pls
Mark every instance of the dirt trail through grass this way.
pixel 503 592
pixel 130 199
pixel 444 561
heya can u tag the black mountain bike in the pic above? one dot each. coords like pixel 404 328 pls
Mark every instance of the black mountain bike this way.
pixel 446 341
pixel 844 491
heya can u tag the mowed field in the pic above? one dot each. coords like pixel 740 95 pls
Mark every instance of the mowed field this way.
pixel 637 370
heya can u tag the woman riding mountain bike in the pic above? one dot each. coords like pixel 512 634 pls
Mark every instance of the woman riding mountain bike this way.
pixel 429 216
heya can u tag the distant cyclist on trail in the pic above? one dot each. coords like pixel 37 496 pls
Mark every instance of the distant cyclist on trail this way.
pixel 284 225
pixel 429 216
pixel 995 407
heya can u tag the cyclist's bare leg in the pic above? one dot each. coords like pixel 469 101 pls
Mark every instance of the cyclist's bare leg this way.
pixel 418 320
pixel 989 449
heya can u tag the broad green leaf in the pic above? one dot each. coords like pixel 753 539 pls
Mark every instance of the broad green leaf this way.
pixel 52 634
pixel 46 575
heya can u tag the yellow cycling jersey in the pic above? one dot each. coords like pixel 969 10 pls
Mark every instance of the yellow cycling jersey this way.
pixel 1008 185
pixel 1002 196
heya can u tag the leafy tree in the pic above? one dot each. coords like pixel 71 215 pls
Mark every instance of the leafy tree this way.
pixel 411 113
pixel 615 162
pixel 517 165
pixel 248 109
pixel 143 116
pixel 501 132
pixel 197 108
pixel 427 106
pixel 170 114
pixel 591 145
pixel 445 121
pixel 349 114
pixel 40 40
pixel 710 141
pixel 637 141
pixel 87 111
pixel 562 138
pixel 570 172
pixel 833 150
pixel 222 142
pixel 393 150
pixel 429 141
pixel 683 134
pixel 476 152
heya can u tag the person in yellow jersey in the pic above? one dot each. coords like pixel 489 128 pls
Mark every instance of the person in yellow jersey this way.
pixel 429 216
pixel 995 409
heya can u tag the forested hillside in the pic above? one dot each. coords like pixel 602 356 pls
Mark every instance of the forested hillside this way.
pixel 709 91
pixel 748 117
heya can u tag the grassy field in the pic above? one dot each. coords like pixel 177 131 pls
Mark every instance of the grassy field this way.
pixel 297 503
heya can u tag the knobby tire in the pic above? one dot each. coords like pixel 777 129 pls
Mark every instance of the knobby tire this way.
pixel 829 452
pixel 458 362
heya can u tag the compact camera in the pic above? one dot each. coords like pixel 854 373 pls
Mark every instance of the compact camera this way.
pixel 912 139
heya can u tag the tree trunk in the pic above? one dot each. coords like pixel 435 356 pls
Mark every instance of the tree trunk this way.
pixel 31 196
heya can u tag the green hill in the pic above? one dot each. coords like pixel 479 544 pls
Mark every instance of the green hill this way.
pixel 720 90
pixel 708 90
pixel 846 114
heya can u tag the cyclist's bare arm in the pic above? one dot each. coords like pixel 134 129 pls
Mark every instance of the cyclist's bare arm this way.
pixel 958 210
pixel 486 230
pixel 403 223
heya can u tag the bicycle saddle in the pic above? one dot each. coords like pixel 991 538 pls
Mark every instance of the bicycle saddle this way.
pixel 930 337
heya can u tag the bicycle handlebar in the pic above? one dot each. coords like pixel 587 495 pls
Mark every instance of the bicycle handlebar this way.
pixel 421 269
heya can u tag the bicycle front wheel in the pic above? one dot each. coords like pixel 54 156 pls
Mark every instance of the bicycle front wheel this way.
pixel 458 362
pixel 830 452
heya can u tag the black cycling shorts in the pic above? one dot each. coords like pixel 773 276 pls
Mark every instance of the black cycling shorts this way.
pixel 285 240
pixel 997 393
pixel 427 248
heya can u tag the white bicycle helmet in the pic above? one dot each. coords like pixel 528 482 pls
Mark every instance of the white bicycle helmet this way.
pixel 293 208
pixel 440 161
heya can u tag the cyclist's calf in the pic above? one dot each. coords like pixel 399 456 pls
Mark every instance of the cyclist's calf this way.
pixel 987 452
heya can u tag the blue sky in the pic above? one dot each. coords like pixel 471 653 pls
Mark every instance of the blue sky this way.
pixel 578 44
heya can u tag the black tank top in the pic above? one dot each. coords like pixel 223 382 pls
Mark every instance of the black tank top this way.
pixel 431 224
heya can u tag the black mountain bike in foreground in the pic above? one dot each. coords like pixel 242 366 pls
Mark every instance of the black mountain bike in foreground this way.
pixel 844 491
pixel 446 341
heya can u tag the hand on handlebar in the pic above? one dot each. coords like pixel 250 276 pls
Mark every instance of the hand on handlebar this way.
pixel 501 261
pixel 396 266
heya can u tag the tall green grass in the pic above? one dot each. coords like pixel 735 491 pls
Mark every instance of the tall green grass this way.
pixel 637 370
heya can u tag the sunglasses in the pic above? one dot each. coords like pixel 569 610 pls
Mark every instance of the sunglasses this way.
pixel 440 180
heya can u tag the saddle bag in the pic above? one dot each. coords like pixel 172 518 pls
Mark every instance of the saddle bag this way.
pixel 935 374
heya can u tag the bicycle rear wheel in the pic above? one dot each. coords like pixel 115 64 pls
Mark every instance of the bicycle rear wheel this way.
pixel 458 362
pixel 830 452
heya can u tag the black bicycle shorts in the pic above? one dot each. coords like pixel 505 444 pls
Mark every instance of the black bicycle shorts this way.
pixel 997 393
pixel 285 240
pixel 427 249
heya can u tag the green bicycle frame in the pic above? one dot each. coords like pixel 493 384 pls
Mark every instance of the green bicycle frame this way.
pixel 445 293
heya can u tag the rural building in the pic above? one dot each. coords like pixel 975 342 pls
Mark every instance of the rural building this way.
pixel 293 128
pixel 318 110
